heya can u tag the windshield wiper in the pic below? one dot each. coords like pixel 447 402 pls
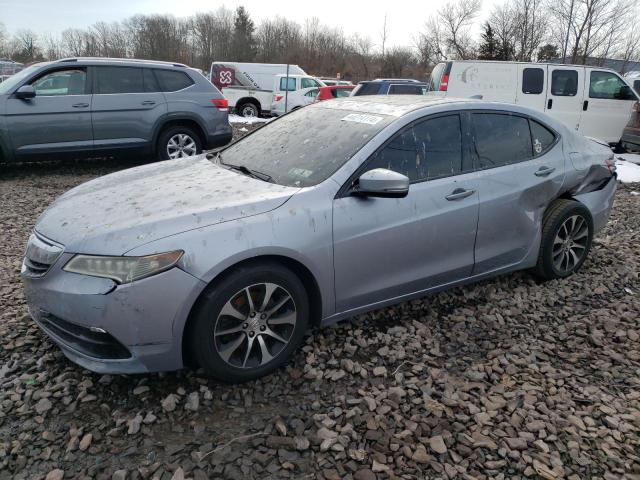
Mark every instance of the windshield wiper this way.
pixel 242 169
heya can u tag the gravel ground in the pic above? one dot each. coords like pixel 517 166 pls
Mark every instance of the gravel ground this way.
pixel 508 378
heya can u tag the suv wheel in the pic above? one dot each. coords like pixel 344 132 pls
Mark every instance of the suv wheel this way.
pixel 248 110
pixel 250 324
pixel 567 231
pixel 178 142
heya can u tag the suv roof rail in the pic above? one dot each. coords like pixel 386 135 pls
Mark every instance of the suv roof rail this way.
pixel 127 60
pixel 412 80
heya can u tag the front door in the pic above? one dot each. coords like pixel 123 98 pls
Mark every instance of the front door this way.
pixel 607 106
pixel 385 248
pixel 57 122
pixel 521 168
pixel 126 106
pixel 565 93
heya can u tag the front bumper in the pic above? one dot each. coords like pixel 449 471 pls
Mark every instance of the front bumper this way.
pixel 599 202
pixel 110 328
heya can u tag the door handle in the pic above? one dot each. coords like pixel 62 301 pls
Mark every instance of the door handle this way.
pixel 585 105
pixel 549 103
pixel 148 102
pixel 459 193
pixel 544 171
pixel 80 105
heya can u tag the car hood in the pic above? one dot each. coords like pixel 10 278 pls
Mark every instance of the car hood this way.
pixel 118 212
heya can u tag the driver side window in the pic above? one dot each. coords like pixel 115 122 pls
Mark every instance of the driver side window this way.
pixel 61 82
pixel 424 151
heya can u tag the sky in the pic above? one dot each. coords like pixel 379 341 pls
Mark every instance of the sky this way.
pixel 47 16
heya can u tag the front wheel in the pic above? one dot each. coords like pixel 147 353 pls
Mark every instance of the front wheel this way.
pixel 567 232
pixel 250 324
pixel 178 142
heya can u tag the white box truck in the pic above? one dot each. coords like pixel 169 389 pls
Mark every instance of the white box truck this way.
pixel 595 101
pixel 251 88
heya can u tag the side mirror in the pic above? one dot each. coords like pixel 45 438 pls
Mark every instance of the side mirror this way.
pixel 381 182
pixel 26 92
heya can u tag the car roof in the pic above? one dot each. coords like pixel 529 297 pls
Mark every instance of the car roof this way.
pixel 117 61
pixel 400 105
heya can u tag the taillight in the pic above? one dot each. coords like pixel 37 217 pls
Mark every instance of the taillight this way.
pixel 444 83
pixel 278 98
pixel 610 163
pixel 221 104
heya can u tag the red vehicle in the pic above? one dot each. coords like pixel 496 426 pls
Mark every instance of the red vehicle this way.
pixel 334 91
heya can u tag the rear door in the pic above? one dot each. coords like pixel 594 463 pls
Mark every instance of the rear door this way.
pixel 532 86
pixel 565 92
pixel 58 120
pixel 127 102
pixel 521 167
pixel 385 248
pixel 607 106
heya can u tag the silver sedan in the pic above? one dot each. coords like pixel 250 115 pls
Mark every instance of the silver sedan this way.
pixel 225 261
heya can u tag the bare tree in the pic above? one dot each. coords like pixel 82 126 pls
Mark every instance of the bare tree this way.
pixel 520 27
pixel 447 34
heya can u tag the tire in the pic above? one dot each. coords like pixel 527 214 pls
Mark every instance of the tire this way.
pixel 619 148
pixel 567 232
pixel 248 109
pixel 169 147
pixel 229 342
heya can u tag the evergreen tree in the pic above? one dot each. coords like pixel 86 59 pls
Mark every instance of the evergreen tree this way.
pixel 489 48
pixel 243 43
pixel 548 52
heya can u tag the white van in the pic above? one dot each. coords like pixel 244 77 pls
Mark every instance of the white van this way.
pixel 595 101
pixel 251 88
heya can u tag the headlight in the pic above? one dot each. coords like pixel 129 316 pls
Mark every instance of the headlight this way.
pixel 122 269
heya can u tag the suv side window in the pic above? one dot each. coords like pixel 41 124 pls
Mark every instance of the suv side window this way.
pixel 150 81
pixel 407 90
pixel 564 83
pixel 532 81
pixel 609 86
pixel 172 81
pixel 501 139
pixel 542 137
pixel 72 81
pixel 424 151
pixel 119 80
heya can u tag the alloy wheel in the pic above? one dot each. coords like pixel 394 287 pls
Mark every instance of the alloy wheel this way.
pixel 255 325
pixel 181 145
pixel 570 243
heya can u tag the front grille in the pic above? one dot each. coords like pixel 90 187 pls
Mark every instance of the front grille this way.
pixel 93 344
pixel 41 254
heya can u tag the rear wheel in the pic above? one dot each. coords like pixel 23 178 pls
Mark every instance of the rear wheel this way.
pixel 248 109
pixel 250 324
pixel 178 142
pixel 567 232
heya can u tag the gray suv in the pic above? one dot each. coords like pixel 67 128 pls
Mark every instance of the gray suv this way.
pixel 84 107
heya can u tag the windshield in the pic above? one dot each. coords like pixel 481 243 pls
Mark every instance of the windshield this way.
pixel 305 147
pixel 9 84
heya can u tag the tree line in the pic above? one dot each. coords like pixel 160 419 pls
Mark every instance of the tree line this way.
pixel 576 31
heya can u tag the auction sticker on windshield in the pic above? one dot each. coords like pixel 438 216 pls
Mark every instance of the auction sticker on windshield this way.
pixel 362 118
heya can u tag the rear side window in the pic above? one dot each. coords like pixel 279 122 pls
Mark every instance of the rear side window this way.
pixel 542 137
pixel 427 150
pixel 501 139
pixel 564 83
pixel 608 86
pixel 532 81
pixel 407 90
pixel 119 80
pixel 367 89
pixel 150 81
pixel 172 81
